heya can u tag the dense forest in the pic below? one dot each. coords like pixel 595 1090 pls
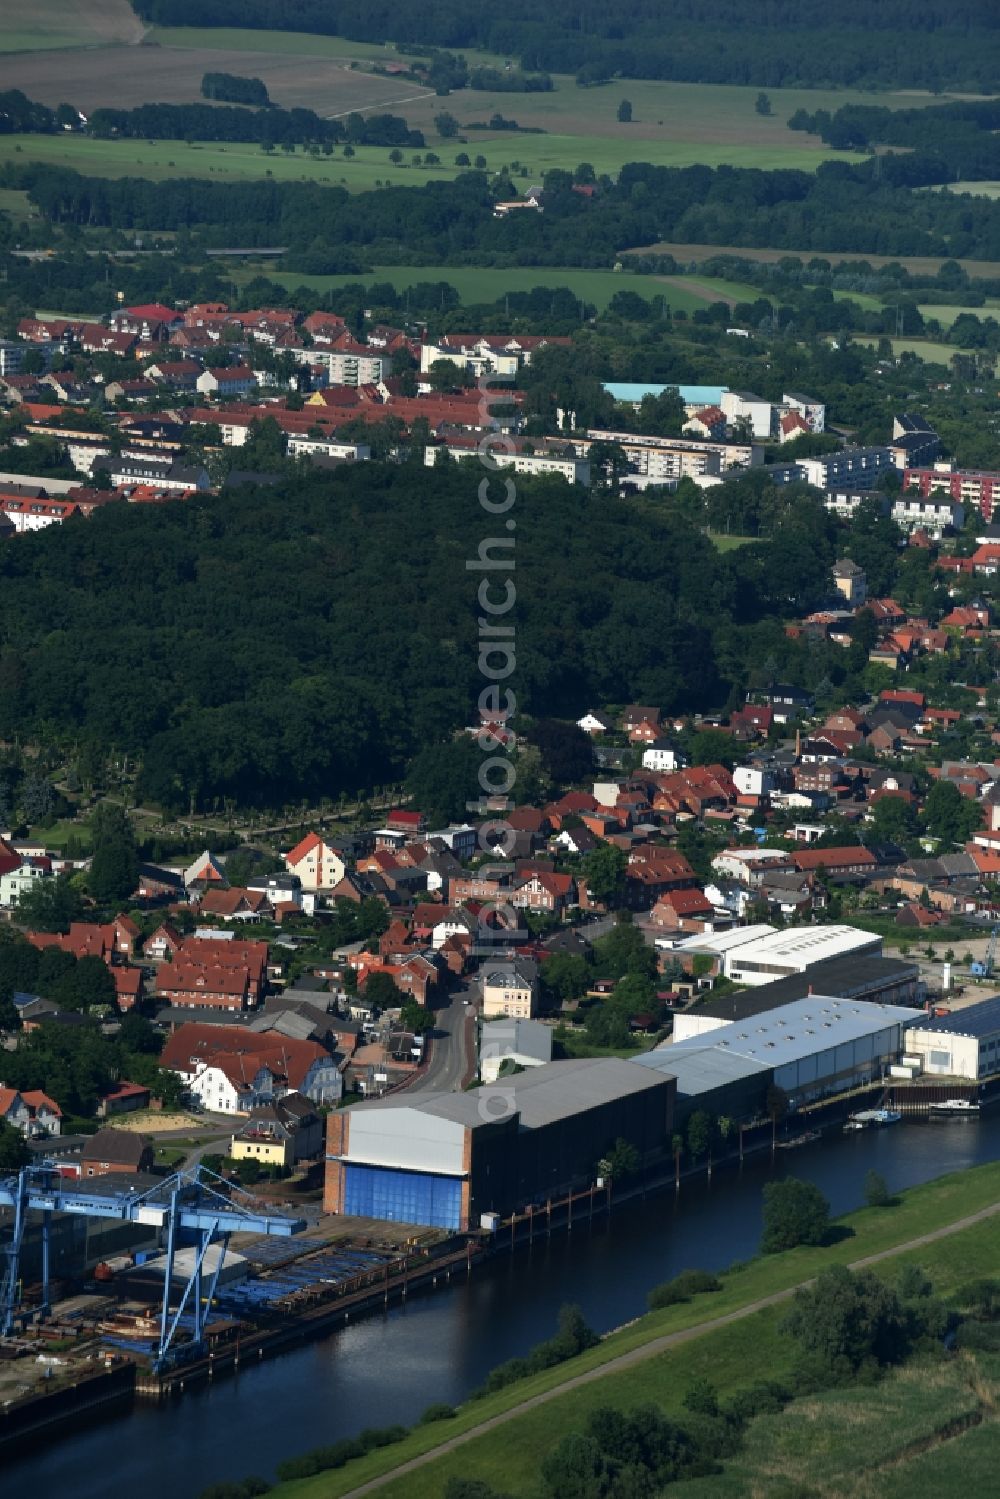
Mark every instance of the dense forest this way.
pixel 961 136
pixel 271 644
pixel 931 44
pixel 840 208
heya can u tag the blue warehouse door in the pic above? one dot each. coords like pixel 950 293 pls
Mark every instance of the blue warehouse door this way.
pixel 403 1196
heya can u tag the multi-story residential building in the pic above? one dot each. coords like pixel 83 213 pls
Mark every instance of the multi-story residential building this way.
pixel 974 488
pixel 659 459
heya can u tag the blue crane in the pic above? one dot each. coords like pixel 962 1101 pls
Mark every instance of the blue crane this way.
pixel 195 1200
pixel 984 970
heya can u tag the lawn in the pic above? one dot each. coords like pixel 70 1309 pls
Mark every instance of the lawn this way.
pixel 56 835
pixel 725 543
pixel 732 1355
pixel 488 284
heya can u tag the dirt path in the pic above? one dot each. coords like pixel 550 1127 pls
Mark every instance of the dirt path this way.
pixel 651 1349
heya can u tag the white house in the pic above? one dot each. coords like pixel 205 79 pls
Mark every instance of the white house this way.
pixel 595 723
pixel 510 989
pixel 660 756
pixel 16 878
pixel 317 863
pixel 239 380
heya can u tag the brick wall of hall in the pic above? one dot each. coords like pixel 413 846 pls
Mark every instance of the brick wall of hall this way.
pixel 337 1136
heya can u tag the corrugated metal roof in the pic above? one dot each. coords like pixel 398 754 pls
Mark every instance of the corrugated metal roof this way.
pixel 976 1020
pixel 805 944
pixel 543 1095
pixel 700 1068
pixel 799 1029
pixel 720 942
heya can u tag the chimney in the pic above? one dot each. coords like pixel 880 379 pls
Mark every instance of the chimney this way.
pixel 798 743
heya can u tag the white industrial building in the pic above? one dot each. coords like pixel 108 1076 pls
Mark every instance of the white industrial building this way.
pixel 768 954
pixel 963 1044
pixel 810 1048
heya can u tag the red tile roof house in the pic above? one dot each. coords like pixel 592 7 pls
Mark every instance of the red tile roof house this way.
pixel 194 985
pixel 838 862
pixel 683 910
pixel 128 987
pixel 544 891
pixel 217 952
pixel 31 1111
pixel 236 904
pixel 242 1068
pixel 162 943
pixel 319 866
pixel 123 1098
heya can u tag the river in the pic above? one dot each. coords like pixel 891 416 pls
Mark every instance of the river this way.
pixel 441 1345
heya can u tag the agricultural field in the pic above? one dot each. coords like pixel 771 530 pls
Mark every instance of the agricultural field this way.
pixel 369 167
pixel 38 25
pixel 696 254
pixel 125 77
pixel 978 189
pixel 946 315
pixel 485 284
pixel 673 124
pixel 928 349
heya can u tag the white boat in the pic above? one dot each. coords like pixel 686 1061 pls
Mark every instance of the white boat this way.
pixel 955 1106
pixel 874 1117
pixel 853 1124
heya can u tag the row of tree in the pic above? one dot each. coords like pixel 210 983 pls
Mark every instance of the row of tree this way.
pixel 788 42
pixel 868 208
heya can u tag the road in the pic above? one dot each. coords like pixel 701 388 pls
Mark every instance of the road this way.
pixel 651 1349
pixel 452 1043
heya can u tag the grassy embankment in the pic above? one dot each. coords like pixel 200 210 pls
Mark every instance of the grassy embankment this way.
pixel 732 1355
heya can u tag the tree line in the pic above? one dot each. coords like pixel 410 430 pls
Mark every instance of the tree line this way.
pixel 789 42
pixel 960 138
pixel 857 209
pixel 231 88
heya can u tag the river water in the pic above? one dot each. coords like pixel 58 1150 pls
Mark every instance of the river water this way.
pixel 440 1346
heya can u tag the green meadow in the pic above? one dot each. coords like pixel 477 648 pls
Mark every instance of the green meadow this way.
pixel 485 284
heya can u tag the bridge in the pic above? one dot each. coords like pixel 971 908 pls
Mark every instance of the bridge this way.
pixel 195 1201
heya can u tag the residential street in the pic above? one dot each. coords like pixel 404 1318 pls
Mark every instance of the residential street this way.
pixel 451 1046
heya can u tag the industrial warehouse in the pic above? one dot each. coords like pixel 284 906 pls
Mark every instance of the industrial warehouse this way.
pixel 454 1160
pixel 810 1049
pixel 451 1160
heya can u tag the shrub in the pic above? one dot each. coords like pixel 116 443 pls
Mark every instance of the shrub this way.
pixel 439 1411
pixel 795 1212
pixel 683 1286
pixel 877 1194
